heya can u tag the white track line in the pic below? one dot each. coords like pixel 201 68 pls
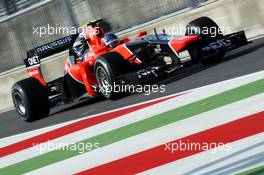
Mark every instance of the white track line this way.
pixel 244 153
pixel 162 135
pixel 6 110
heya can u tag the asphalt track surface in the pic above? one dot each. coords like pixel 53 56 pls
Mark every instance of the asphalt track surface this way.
pixel 242 61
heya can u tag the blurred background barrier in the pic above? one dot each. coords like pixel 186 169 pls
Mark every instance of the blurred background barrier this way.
pixel 127 15
pixel 18 18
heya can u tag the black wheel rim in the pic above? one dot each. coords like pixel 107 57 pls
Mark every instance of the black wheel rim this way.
pixel 19 103
pixel 103 80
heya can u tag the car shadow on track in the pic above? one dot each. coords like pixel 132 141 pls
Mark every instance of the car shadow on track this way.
pixel 79 104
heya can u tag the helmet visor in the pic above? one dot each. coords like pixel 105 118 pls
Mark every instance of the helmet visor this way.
pixel 113 43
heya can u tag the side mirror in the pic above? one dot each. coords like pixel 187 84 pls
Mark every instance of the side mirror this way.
pixel 141 34
pixel 124 40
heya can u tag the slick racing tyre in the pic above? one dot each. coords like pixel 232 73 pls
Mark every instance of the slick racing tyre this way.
pixel 107 68
pixel 30 99
pixel 205 27
pixel 209 32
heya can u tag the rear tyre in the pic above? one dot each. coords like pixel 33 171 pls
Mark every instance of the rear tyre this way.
pixel 30 99
pixel 107 68
pixel 201 26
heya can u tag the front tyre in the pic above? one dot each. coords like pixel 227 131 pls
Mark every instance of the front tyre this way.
pixel 30 99
pixel 199 27
pixel 107 68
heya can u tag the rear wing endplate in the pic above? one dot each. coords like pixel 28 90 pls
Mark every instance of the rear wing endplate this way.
pixel 34 56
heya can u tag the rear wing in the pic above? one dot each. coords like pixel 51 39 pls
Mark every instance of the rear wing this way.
pixel 53 47
pixel 34 56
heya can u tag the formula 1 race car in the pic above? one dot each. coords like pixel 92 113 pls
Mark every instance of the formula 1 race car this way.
pixel 144 60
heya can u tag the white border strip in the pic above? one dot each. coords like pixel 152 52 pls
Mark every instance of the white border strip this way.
pixel 155 137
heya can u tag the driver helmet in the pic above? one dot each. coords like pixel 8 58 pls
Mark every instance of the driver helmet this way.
pixel 79 45
pixel 110 40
